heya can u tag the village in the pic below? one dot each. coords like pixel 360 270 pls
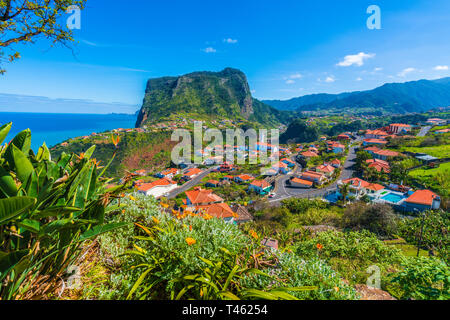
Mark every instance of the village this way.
pixel 329 169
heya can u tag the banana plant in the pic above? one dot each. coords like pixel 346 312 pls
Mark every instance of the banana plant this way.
pixel 47 210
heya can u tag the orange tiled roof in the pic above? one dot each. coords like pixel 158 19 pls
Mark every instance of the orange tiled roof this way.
pixel 218 210
pixel 309 154
pixel 192 172
pixel 301 181
pixel 312 174
pixel 161 182
pixel 260 183
pixel 326 168
pixel 202 196
pixel 246 177
pixel 375 141
pixel 387 153
pixel 424 197
pixel 170 171
pixel 400 125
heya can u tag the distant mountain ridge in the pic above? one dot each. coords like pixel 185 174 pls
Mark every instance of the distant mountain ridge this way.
pixel 413 96
pixel 224 94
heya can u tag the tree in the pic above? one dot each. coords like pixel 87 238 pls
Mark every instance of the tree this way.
pixel 23 21
pixel 377 218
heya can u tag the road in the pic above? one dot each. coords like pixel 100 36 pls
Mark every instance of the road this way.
pixel 424 131
pixel 285 192
pixel 190 184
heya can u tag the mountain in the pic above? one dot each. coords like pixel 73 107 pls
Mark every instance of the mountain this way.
pixel 206 95
pixel 414 96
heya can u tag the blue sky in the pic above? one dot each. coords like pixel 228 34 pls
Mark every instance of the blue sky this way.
pixel 286 48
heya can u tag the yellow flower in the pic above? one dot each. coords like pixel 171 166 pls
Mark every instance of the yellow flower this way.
pixel 336 288
pixel 207 217
pixel 190 228
pixel 155 220
pixel 190 241
pixel 132 198
pixel 254 234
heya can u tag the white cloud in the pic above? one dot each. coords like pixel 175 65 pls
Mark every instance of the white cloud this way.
pixel 356 59
pixel 295 76
pixel 330 79
pixel 359 79
pixel 441 68
pixel 377 69
pixel 290 81
pixel 406 71
pixel 210 50
pixel 230 41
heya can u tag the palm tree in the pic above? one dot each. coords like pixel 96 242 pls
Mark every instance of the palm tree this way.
pixel 345 190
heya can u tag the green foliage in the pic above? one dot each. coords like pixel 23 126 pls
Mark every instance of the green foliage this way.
pixel 299 131
pixel 47 210
pixel 435 233
pixel 376 218
pixel 205 95
pixel 350 253
pixel 421 279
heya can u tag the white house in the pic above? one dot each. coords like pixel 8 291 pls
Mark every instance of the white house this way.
pixel 157 188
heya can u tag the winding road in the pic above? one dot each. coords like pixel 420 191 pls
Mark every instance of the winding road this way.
pixel 286 192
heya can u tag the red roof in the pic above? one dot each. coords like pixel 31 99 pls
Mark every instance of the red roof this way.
pixel 387 153
pixel 260 183
pixel 301 181
pixel 379 141
pixel 193 172
pixel 218 210
pixel 424 197
pixel 326 168
pixel 202 196
pixel 309 154
pixel 356 182
pixel 312 174
pixel 245 177
pixel 169 171
pixel 336 161
pixel 161 182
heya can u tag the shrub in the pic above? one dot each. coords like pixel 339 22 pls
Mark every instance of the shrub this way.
pixel 422 278
pixel 376 218
pixel 350 253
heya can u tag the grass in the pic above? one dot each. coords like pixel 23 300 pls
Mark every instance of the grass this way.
pixel 437 178
pixel 440 152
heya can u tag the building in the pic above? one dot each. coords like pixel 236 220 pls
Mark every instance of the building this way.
pixel 379 165
pixel 336 147
pixel 336 163
pixel 301 183
pixel 289 162
pixel 359 188
pixel 385 154
pixel 312 176
pixel 422 200
pixel 200 196
pixel 399 128
pixel 309 154
pixel 218 210
pixel 281 167
pixel 243 178
pixel 376 134
pixel 191 173
pixel 326 169
pixel 242 214
pixel 261 187
pixel 141 173
pixel 436 121
pixel 157 188
pixel 169 173
pixel 212 184
pixel 378 142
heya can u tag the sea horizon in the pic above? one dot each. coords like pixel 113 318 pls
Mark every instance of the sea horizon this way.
pixel 54 128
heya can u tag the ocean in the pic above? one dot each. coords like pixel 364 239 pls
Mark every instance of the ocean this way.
pixel 53 128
